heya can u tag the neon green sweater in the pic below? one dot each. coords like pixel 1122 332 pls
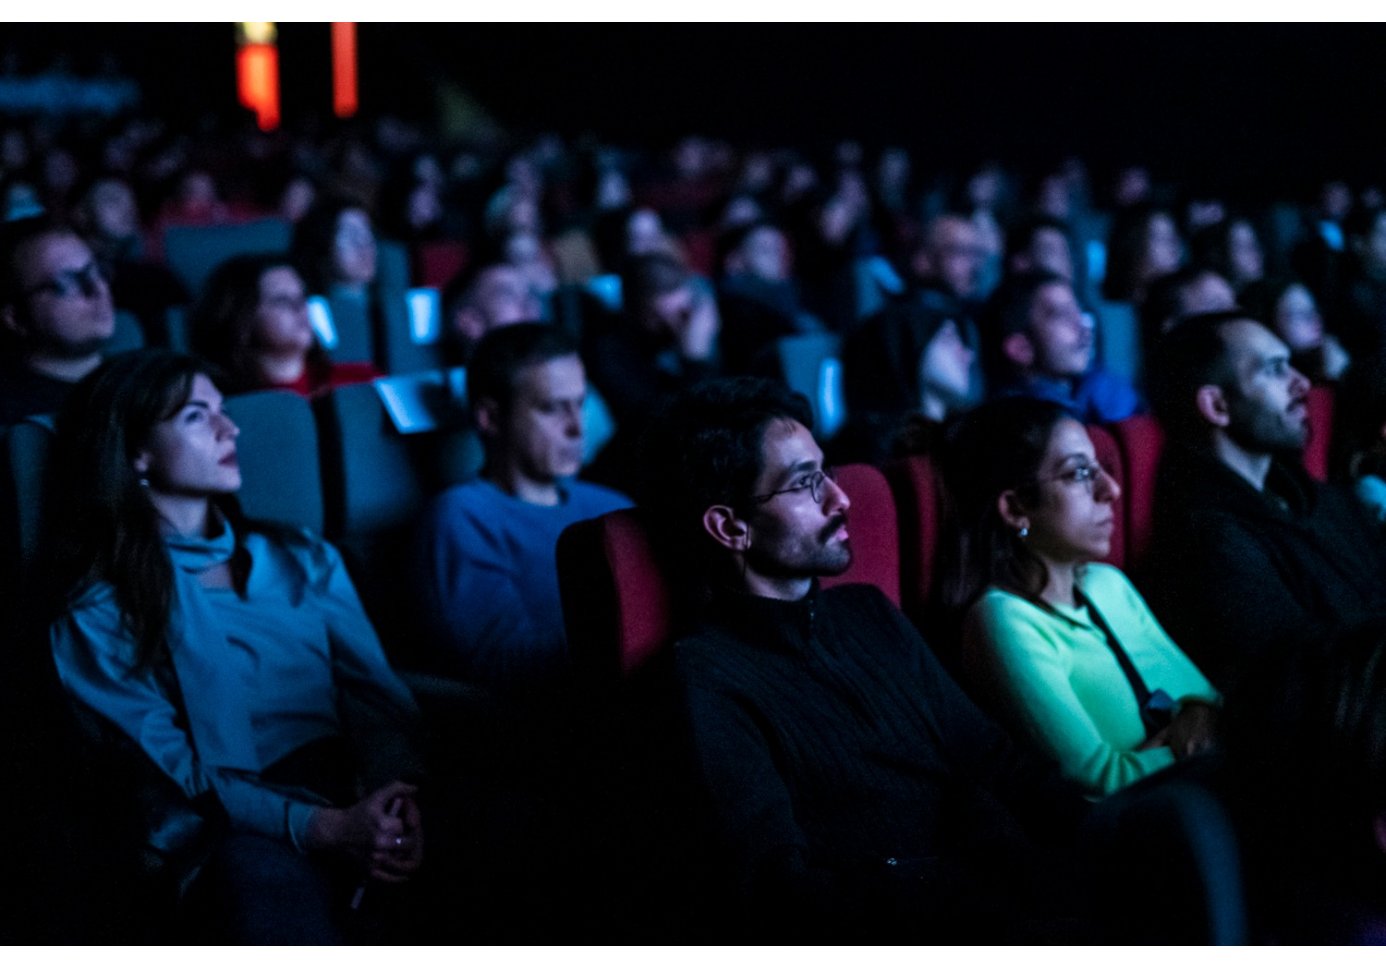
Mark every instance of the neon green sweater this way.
pixel 1054 677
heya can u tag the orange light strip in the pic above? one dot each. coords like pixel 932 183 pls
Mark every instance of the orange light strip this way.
pixel 257 82
pixel 344 99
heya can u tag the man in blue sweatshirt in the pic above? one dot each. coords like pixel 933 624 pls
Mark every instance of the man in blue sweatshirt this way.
pixel 487 572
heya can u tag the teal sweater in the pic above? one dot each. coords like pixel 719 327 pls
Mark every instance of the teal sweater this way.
pixel 1053 676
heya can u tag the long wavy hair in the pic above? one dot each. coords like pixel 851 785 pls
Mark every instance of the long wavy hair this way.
pixel 107 529
pixel 996 448
pixel 223 322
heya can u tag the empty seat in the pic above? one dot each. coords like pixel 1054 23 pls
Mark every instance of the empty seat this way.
pixel 412 340
pixel 27 446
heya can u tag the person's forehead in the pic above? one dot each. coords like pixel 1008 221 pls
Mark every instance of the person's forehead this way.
pixel 1251 343
pixel 557 376
pixel 56 252
pixel 1068 439
pixel 1053 295
pixel 786 444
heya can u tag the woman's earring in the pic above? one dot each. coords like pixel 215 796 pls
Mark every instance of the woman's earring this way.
pixel 1024 532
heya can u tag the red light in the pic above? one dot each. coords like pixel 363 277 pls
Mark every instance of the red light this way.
pixel 257 82
pixel 344 101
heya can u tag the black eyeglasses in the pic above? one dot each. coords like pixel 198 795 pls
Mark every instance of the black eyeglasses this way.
pixel 1084 473
pixel 85 281
pixel 813 483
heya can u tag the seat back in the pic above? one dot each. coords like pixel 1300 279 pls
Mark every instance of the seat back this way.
pixel 617 600
pixel 1109 456
pixel 128 334
pixel 1316 451
pixel 412 340
pixel 27 448
pixel 278 448
pixel 1140 441
pixel 194 251
pixel 1119 346
pixel 811 364
pixel 919 499
pixel 373 490
pixel 342 321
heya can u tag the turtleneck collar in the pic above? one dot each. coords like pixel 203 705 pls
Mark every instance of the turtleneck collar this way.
pixel 768 621
pixel 194 553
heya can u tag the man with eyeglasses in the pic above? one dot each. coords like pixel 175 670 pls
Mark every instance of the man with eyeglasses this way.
pixel 1251 556
pixel 859 793
pixel 56 316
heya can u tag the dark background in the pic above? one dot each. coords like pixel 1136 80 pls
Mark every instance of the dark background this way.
pixel 1230 108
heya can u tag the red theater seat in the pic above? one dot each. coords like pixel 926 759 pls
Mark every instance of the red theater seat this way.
pixel 1140 441
pixel 919 499
pixel 1109 456
pixel 616 596
pixel 1321 407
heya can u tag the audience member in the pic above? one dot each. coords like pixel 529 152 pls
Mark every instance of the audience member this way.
pixel 1144 245
pixel 1062 644
pixel 487 579
pixel 905 371
pixel 854 783
pixel 1288 309
pixel 1231 248
pixel 757 298
pixel 486 297
pixel 665 338
pixel 1040 243
pixel 1362 313
pixel 1046 341
pixel 56 316
pixel 951 258
pixel 1183 292
pixel 252 322
pixel 223 652
pixel 1251 555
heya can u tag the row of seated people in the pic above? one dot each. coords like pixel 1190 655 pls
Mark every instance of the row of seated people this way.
pixel 729 527
pixel 1263 574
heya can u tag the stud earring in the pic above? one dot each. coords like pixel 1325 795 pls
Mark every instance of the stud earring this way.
pixel 1024 533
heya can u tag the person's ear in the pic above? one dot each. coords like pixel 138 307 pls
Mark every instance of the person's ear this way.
pixel 728 530
pixel 141 463
pixel 1212 405
pixel 1012 511
pixel 486 414
pixel 9 320
pixel 1019 350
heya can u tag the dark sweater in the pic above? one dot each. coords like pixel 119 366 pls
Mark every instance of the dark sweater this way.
pixel 27 393
pixel 1236 572
pixel 855 784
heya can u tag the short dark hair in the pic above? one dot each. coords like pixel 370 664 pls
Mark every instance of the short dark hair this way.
pixel 15 238
pixel 1022 234
pixel 705 448
pixel 1191 355
pixel 995 448
pixel 646 277
pixel 1164 296
pixel 505 351
pixel 1010 307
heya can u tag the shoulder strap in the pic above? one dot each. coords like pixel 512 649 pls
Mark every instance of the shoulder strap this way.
pixel 1128 669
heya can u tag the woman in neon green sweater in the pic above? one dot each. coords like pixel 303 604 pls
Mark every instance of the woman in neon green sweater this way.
pixel 1063 646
